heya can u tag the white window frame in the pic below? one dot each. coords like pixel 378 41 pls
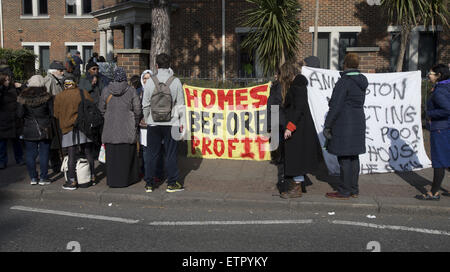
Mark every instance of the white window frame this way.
pixel 414 43
pixel 35 16
pixel 79 46
pixel 334 40
pixel 79 12
pixel 36 46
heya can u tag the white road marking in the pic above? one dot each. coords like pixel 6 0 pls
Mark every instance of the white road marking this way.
pixel 80 215
pixel 369 225
pixel 201 223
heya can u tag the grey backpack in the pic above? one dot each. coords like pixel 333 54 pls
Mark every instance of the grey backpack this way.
pixel 161 100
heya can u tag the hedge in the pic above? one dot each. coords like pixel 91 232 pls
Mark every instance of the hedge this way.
pixel 21 62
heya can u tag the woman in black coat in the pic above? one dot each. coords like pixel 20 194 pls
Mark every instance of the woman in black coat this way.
pixel 36 109
pixel 303 153
pixel 10 125
pixel 345 126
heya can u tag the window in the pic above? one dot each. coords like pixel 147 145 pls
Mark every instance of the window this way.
pixel 80 8
pixel 72 49
pixel 246 60
pixel 43 7
pixel 87 6
pixel 44 58
pixel 27 7
pixel 71 9
pixel 427 51
pixel 345 40
pixel 35 8
pixel 29 47
pixel 395 51
pixel 323 49
pixel 87 53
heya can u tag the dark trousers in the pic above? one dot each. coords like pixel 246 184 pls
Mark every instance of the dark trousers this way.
pixel 18 152
pixel 73 153
pixel 155 136
pixel 349 166
pixel 33 149
pixel 146 167
pixel 438 177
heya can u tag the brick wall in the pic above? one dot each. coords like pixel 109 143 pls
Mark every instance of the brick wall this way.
pixel 133 61
pixel 56 30
pixel 196 31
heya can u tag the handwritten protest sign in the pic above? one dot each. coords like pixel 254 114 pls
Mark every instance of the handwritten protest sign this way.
pixel 227 124
pixel 394 137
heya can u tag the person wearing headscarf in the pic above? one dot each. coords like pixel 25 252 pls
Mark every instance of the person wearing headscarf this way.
pixel 121 108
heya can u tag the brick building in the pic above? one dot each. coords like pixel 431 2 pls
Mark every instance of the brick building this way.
pixel 122 29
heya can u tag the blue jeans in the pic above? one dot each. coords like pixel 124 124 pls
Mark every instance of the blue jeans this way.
pixel 35 148
pixel 155 136
pixel 18 152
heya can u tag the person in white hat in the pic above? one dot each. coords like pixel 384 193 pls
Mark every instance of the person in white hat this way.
pixel 36 109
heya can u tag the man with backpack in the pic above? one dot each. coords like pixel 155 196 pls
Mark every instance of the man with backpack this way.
pixel 163 93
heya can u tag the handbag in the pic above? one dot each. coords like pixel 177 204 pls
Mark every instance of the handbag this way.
pixel 82 169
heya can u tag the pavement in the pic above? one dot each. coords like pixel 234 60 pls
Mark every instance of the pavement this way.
pixel 240 184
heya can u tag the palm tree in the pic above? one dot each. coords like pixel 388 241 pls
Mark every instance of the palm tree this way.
pixel 160 30
pixel 274 31
pixel 411 13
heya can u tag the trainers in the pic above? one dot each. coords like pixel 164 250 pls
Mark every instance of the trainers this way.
pixel 44 182
pixel 177 187
pixel 70 185
pixel 148 188
pixel 34 182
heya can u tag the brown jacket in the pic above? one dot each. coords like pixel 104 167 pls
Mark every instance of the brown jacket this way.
pixel 66 108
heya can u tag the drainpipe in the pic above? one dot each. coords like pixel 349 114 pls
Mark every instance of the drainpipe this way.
pixel 1 22
pixel 223 40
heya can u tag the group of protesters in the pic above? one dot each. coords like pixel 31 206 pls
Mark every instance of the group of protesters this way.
pixel 126 124
pixel 64 114
pixel 300 152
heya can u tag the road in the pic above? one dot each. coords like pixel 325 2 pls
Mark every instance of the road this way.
pixel 51 226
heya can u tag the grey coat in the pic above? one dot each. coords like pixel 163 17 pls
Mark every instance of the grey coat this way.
pixel 346 115
pixel 122 113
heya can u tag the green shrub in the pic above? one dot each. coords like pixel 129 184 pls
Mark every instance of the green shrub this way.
pixel 21 62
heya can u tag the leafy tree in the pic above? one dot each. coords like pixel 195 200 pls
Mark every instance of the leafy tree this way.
pixel 274 32
pixel 411 13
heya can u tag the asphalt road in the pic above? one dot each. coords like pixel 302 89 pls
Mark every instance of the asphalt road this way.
pixel 51 226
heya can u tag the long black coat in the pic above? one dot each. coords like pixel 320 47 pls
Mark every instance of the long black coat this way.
pixel 10 125
pixel 303 153
pixel 36 109
pixel 346 115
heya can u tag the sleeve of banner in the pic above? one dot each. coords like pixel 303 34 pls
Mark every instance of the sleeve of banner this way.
pixel 336 103
pixel 443 109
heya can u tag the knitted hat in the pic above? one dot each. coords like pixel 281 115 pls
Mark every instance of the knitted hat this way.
pixel 90 65
pixel 120 75
pixel 36 81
